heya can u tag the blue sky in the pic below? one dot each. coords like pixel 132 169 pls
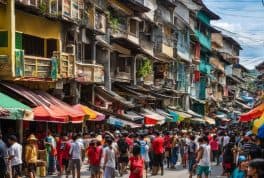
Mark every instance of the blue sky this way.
pixel 244 21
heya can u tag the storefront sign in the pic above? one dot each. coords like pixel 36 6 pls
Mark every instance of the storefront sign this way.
pixel 66 8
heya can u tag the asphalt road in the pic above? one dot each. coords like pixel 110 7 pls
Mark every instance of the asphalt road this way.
pixel 169 173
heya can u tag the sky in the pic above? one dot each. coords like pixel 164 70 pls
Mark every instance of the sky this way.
pixel 244 21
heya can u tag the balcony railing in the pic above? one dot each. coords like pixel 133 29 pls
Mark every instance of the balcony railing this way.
pixel 121 33
pixel 66 64
pixel 164 47
pixel 37 67
pixel 89 73
pixel 122 76
pixel 146 43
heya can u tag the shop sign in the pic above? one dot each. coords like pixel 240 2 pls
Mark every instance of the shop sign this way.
pixel 66 8
pixel 75 9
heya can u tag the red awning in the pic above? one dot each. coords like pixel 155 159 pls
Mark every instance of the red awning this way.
pixel 252 114
pixel 47 107
pixel 50 114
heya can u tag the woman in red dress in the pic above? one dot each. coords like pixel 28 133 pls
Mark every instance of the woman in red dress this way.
pixel 136 163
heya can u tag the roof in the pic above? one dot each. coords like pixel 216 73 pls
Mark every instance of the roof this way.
pixel 260 66
pixel 231 40
pixel 210 13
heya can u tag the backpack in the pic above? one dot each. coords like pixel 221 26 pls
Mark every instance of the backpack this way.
pixel 122 145
pixel 143 147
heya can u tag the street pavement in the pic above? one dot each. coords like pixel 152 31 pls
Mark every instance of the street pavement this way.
pixel 169 173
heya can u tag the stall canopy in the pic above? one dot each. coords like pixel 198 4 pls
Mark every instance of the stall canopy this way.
pixel 46 107
pixel 151 118
pixel 13 109
pixel 90 114
pixel 122 123
pixel 252 114
pixel 209 120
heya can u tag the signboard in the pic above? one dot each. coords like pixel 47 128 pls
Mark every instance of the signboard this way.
pixel 66 8
pixel 74 9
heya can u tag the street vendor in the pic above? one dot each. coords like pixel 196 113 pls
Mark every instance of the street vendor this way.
pixel 31 154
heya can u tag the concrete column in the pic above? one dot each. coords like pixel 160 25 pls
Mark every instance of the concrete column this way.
pixel 134 70
pixel 93 51
pixel 11 33
pixel 107 73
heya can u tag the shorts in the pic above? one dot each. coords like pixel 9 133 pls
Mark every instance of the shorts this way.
pixel 203 169
pixel 123 159
pixel 109 172
pixel 17 170
pixel 158 160
pixel 95 170
pixel 76 164
pixel 65 163
pixel 31 167
pixel 191 164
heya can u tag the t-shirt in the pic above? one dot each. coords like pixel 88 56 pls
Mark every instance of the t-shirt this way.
pixel 136 163
pixel 205 160
pixel 94 155
pixel 157 145
pixel 16 151
pixel 214 145
pixel 66 146
pixel 226 140
pixel 110 154
pixel 167 141
pixel 3 155
pixel 75 150
pixel 237 173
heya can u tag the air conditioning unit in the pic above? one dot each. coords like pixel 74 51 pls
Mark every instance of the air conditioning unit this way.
pixel 70 49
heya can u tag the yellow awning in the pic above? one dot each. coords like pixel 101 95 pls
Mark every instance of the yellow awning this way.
pixel 209 120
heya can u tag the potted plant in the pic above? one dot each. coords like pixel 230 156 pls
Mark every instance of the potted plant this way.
pixel 144 69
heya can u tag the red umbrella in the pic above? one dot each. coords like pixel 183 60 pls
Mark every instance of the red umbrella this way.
pixel 252 114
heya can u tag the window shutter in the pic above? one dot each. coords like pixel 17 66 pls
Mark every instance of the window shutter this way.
pixel 18 40
pixel 3 38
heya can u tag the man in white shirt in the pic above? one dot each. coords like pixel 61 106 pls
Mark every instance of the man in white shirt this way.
pixel 203 158
pixel 15 156
pixel 75 155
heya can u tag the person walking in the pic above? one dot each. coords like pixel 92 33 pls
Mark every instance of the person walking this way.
pixel 15 156
pixel 158 150
pixel 215 149
pixel 3 157
pixel 109 159
pixel 76 157
pixel 192 148
pixel 50 144
pixel 136 163
pixel 203 158
pixel 175 150
pixel 31 155
pixel 168 146
pixel 255 168
pixel 94 154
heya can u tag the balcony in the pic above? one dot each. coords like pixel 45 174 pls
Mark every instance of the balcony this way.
pixel 164 48
pixel 136 5
pixel 96 20
pixel 146 44
pixel 204 40
pixel 121 76
pixel 66 64
pixel 36 67
pixel 89 73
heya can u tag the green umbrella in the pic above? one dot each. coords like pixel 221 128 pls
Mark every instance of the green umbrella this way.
pixel 16 109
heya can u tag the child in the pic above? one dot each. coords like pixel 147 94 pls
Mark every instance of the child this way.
pixel 240 171
pixel 136 164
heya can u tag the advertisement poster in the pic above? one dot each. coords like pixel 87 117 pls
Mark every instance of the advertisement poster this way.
pixel 66 8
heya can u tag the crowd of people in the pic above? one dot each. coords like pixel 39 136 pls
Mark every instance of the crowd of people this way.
pixel 137 153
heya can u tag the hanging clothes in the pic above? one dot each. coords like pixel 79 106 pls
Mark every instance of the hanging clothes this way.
pixel 197 51
pixel 197 76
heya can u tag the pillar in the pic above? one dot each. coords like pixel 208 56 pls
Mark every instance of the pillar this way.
pixel 107 68
pixel 11 33
pixel 93 51
pixel 134 71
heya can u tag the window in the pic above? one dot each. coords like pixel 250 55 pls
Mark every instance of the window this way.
pixel 133 27
pixel 51 46
pixel 3 38
pixel 32 45
pixel 87 52
pixel 124 64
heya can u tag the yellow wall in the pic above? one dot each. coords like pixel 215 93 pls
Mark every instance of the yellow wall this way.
pixel 3 17
pixel 37 26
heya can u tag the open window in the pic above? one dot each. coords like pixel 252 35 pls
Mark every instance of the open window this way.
pixel 32 45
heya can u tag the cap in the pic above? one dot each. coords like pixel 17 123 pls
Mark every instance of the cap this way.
pixel 241 158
